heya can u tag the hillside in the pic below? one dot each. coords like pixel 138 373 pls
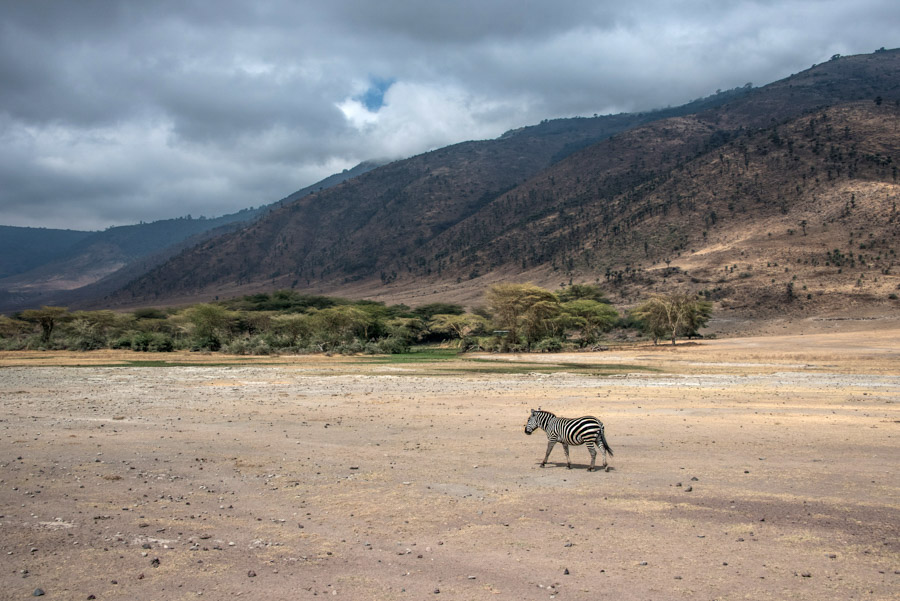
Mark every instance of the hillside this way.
pixel 24 248
pixel 41 266
pixel 807 207
pixel 631 201
pixel 94 256
pixel 356 225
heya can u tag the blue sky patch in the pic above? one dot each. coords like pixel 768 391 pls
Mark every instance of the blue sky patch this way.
pixel 373 98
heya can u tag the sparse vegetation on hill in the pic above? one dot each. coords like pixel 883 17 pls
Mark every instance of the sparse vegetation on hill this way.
pixel 744 198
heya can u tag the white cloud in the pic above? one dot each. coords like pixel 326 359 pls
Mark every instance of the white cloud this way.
pixel 115 111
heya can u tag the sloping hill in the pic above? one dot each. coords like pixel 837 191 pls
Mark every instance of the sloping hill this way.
pixel 81 268
pixel 99 254
pixel 807 207
pixel 348 230
pixel 24 248
pixel 610 198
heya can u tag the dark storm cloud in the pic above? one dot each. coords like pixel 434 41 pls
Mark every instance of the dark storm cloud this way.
pixel 114 112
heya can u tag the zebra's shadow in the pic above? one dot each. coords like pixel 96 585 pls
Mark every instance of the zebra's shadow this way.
pixel 577 466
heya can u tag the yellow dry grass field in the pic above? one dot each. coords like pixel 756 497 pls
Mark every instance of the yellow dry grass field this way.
pixel 745 468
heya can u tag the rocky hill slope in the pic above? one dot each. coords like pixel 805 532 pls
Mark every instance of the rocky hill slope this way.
pixel 766 196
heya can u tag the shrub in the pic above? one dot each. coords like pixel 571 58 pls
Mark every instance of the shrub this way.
pixel 253 345
pixel 350 348
pixel 392 345
pixel 122 342
pixel 88 342
pixel 208 343
pixel 549 345
pixel 152 342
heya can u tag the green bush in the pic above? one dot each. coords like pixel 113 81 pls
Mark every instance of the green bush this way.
pixel 392 345
pixel 152 342
pixel 122 342
pixel 12 344
pixel 549 345
pixel 253 345
pixel 88 342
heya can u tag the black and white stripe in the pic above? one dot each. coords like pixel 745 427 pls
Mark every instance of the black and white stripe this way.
pixel 570 431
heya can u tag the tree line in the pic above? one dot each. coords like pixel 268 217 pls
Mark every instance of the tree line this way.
pixel 515 318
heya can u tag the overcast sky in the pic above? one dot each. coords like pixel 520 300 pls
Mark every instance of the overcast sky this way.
pixel 113 112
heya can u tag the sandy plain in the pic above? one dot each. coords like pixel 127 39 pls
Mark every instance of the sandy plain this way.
pixel 744 468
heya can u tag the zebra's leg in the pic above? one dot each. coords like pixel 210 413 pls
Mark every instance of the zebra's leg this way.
pixel 593 451
pixel 566 449
pixel 550 444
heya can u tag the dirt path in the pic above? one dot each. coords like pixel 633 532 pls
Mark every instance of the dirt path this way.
pixel 754 469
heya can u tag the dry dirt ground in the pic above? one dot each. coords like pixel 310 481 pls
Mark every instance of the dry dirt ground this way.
pixel 755 468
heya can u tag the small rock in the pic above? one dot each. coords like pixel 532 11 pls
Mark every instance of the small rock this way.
pixel 566 571
pixel 437 591
pixel 695 479
pixel 251 574
pixel 155 562
pixel 643 563
pixel 38 592
pixel 689 489
pixel 806 575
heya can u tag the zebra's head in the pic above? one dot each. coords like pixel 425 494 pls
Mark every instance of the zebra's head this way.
pixel 533 421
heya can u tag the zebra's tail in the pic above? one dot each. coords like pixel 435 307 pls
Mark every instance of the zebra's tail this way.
pixel 601 438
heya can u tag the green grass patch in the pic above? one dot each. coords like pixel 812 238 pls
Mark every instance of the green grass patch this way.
pixel 490 366
pixel 162 363
pixel 417 355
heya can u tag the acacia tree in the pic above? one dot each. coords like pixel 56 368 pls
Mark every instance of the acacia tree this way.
pixel 596 317
pixel 457 326
pixel 341 324
pixel 47 318
pixel 293 326
pixel 13 328
pixel 538 320
pixel 673 315
pixel 513 308
pixel 91 328
pixel 211 324
pixel 582 292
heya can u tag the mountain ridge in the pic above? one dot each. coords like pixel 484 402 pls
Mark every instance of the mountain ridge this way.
pixel 623 200
pixel 40 267
pixel 477 210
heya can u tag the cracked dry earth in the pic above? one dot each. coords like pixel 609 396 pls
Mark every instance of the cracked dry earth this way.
pixel 760 468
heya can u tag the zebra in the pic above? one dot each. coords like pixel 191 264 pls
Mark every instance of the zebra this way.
pixel 580 430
